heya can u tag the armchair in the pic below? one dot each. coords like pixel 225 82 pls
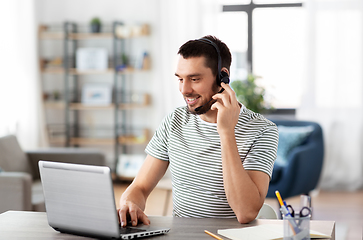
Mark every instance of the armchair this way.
pixel 301 172
pixel 20 186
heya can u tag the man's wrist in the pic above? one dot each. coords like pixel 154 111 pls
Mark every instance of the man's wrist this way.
pixel 226 133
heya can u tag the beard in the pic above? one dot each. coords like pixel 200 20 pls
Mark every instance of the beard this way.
pixel 205 106
pixel 202 109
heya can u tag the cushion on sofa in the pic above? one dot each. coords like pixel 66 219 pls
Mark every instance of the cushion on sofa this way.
pixel 12 157
pixel 289 138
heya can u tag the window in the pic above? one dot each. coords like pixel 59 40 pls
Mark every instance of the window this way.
pixel 279 47
pixel 236 40
pixel 279 53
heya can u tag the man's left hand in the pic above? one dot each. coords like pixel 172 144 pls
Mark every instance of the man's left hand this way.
pixel 228 110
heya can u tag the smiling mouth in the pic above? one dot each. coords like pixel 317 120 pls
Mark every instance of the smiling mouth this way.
pixel 191 100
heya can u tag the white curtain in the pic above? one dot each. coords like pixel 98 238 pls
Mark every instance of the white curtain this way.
pixel 333 93
pixel 179 21
pixel 20 95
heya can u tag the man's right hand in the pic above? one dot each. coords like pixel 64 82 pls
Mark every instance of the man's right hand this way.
pixel 133 200
pixel 130 212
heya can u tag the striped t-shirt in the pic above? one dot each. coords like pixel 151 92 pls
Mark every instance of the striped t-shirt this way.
pixel 192 147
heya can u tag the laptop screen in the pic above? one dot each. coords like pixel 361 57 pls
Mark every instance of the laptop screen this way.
pixel 79 199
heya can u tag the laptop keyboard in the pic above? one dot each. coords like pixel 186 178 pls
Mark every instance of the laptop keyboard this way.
pixel 130 230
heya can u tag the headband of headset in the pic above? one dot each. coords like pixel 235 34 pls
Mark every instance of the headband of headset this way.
pixel 221 75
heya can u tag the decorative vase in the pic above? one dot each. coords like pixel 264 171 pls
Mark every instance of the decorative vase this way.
pixel 95 28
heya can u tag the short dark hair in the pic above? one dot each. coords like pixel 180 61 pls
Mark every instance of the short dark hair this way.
pixel 195 48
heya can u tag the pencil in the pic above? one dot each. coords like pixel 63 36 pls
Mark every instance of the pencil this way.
pixel 286 212
pixel 279 198
pixel 213 235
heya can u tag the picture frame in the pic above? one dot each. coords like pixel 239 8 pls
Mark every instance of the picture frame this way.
pixel 96 94
pixel 129 164
pixel 91 59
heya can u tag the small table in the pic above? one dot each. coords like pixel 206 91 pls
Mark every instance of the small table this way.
pixel 34 225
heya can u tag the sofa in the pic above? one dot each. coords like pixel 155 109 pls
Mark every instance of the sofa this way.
pixel 300 158
pixel 20 186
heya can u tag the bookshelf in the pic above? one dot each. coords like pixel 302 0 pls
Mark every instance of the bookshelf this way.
pixel 67 102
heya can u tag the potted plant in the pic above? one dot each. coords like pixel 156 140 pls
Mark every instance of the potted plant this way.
pixel 95 25
pixel 250 94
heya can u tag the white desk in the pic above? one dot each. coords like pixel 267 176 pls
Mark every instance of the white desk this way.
pixel 34 225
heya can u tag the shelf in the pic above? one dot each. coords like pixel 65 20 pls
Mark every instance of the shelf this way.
pixel 81 106
pixel 126 140
pixel 53 70
pixel 58 141
pixel 131 70
pixel 82 36
pixel 105 35
pixel 43 35
pixel 76 106
pixel 87 36
pixel 92 141
pixel 74 71
pixel 124 106
pixel 122 32
pixel 60 35
pixel 54 104
pixel 97 141
pixel 129 106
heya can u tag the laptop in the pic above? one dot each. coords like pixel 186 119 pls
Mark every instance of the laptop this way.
pixel 79 200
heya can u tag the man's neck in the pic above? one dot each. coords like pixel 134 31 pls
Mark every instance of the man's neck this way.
pixel 210 116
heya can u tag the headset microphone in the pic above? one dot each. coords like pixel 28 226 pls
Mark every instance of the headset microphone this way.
pixel 198 108
pixel 222 76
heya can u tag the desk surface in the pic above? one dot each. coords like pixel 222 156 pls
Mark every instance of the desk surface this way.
pixel 34 225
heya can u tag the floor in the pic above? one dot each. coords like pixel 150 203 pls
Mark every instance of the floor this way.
pixel 346 208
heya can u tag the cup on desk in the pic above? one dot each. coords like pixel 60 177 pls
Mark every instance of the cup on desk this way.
pixel 296 228
pixel 305 201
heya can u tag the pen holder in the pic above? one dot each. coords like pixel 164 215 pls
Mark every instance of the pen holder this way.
pixel 296 228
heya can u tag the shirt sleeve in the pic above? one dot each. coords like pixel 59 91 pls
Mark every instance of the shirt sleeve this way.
pixel 159 143
pixel 262 154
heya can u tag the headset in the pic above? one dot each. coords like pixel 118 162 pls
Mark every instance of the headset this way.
pixel 222 76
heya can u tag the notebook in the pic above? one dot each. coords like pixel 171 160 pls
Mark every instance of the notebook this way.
pixel 262 232
pixel 79 200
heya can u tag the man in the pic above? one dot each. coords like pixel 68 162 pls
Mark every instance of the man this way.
pixel 220 154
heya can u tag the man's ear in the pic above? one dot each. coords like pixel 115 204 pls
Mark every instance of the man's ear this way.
pixel 224 69
pixel 224 76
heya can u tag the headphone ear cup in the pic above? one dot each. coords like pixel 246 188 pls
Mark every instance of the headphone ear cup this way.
pixel 224 77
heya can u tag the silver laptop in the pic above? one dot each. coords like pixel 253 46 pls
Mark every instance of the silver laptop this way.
pixel 79 200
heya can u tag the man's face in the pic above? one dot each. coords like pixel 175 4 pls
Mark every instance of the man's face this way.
pixel 197 83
